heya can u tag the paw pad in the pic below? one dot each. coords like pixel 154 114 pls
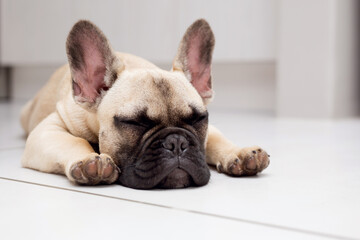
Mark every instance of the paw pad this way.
pixel 249 162
pixel 95 170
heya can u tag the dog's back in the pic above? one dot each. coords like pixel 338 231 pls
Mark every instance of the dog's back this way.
pixel 45 100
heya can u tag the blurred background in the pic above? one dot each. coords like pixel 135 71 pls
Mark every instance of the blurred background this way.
pixel 286 58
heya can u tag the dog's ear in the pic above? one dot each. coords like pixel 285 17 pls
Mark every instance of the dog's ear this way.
pixel 194 57
pixel 93 64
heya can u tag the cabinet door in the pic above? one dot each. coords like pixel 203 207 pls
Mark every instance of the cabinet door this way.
pixel 34 32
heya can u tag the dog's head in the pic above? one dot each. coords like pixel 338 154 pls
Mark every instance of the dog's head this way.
pixel 153 123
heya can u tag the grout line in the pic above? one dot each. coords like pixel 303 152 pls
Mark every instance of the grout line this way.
pixel 298 230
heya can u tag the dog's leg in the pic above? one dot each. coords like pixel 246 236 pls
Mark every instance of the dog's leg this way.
pixel 51 148
pixel 231 159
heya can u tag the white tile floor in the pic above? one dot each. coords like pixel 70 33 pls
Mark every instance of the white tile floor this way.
pixel 311 190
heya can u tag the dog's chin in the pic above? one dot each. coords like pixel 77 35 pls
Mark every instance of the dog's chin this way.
pixel 178 178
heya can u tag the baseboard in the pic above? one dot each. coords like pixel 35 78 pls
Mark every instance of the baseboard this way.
pixel 244 86
pixel 238 86
pixel 4 83
pixel 26 81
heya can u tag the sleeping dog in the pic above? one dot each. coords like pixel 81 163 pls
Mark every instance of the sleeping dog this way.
pixel 150 125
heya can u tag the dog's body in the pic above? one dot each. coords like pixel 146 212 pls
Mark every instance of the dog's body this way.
pixel 151 125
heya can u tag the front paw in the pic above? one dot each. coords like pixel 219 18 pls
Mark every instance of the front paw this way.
pixel 95 169
pixel 245 162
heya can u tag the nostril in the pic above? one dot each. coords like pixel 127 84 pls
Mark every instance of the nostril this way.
pixel 169 145
pixel 184 144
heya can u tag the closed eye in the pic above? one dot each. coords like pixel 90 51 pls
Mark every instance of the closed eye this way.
pixel 133 123
pixel 141 120
pixel 202 117
pixel 197 117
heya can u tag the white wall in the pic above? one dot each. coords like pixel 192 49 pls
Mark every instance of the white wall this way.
pixel 317 61
pixel 304 70
pixel 34 32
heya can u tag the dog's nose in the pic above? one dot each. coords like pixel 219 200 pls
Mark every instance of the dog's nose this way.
pixel 175 143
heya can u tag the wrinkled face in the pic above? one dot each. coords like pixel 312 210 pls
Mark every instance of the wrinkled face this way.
pixel 153 124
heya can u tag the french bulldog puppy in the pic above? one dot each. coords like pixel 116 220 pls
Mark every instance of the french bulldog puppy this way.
pixel 150 125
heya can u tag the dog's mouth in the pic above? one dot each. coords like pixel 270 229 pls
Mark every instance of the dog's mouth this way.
pixel 172 158
pixel 178 178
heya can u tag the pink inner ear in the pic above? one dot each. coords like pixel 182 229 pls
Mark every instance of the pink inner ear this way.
pixel 200 72
pixel 90 79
